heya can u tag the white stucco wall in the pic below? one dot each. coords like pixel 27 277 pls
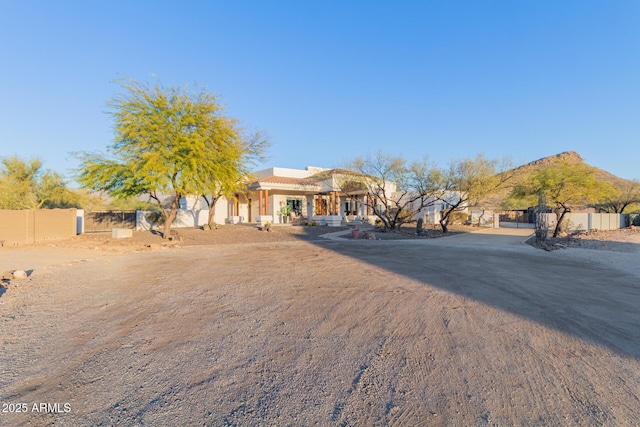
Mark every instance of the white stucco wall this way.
pixel 590 221
pixel 288 173
pixel 188 217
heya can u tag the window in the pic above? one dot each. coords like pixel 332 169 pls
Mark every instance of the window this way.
pixel 296 205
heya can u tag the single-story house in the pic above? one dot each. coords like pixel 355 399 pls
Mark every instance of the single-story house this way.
pixel 324 196
pixel 313 193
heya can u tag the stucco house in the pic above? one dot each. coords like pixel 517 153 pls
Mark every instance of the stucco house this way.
pixel 313 193
pixel 321 195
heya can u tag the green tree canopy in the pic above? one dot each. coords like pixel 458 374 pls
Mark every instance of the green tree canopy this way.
pixel 169 143
pixel 466 182
pixel 565 185
pixel 25 184
pixel 623 195
pixel 228 172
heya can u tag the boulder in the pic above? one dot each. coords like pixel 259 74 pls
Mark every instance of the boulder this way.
pixel 20 274
pixel 121 233
pixel 7 275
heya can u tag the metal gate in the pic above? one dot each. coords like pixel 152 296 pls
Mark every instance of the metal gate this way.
pixel 97 221
pixel 518 219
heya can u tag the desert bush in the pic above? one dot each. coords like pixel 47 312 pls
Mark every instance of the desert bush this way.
pixel 458 217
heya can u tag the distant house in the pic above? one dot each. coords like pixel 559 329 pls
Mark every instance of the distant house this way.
pixel 433 212
pixel 313 193
pixel 322 195
pixel 316 194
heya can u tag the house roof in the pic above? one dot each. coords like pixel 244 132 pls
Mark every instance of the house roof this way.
pixel 307 183
pixel 321 180
pixel 331 172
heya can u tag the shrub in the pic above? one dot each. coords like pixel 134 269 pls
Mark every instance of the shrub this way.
pixel 458 217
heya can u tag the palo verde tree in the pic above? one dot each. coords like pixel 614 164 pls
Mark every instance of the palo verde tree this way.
pixel 565 185
pixel 466 182
pixel 167 144
pixel 397 189
pixel 25 184
pixel 622 196
pixel 227 173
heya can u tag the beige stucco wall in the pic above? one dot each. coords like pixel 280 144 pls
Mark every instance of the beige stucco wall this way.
pixel 29 226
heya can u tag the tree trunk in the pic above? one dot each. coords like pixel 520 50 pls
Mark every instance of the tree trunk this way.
pixel 212 209
pixel 167 224
pixel 480 218
pixel 444 221
pixel 560 216
pixel 212 215
pixel 170 217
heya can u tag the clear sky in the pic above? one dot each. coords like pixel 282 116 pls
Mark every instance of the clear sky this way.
pixel 329 80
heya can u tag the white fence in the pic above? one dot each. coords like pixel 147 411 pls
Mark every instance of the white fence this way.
pixel 589 221
pixel 485 218
pixel 185 218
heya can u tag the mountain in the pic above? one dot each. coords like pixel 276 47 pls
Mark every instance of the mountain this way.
pixel 518 174
pixel 573 157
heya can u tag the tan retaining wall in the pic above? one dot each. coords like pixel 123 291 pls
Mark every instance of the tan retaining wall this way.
pixel 27 226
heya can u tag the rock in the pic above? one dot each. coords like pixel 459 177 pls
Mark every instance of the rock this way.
pixel 7 275
pixel 121 233
pixel 20 274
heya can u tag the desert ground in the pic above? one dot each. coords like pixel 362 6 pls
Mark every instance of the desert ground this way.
pixel 241 327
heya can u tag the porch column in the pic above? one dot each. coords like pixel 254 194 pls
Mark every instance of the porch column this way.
pixel 336 200
pixel 263 202
pixel 236 206
pixel 368 204
pixel 310 208
pixel 331 203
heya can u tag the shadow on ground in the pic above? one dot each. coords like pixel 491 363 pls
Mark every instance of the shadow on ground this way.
pixel 591 302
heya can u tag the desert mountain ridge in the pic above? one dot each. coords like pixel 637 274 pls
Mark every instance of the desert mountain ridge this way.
pixel 570 156
pixel 518 174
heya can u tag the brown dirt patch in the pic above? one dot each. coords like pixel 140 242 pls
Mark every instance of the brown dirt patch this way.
pixel 302 332
pixel 223 235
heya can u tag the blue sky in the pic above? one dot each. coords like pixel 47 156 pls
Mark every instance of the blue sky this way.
pixel 330 80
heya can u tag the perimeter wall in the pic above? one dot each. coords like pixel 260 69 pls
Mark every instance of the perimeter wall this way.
pixel 35 226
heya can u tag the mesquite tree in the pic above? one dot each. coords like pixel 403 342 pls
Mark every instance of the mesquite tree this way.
pixel 397 189
pixel 466 182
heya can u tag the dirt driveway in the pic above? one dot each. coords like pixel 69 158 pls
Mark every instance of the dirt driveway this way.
pixel 449 331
